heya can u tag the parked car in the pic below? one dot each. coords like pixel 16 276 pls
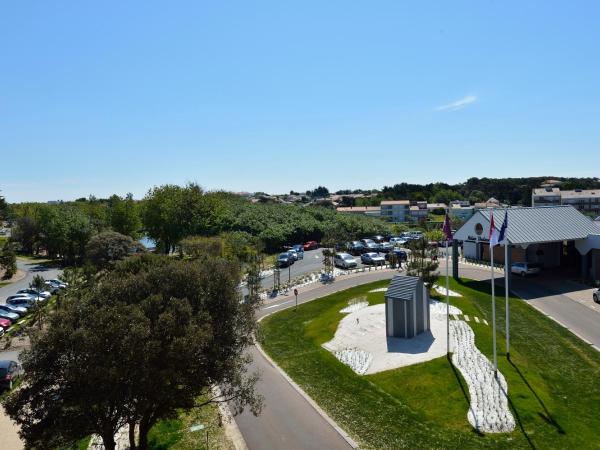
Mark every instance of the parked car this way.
pixel 58 282
pixel 596 295
pixel 9 315
pixel 385 247
pixel 370 245
pixel 344 260
pixel 355 247
pixel 299 249
pixel 378 239
pixel 293 254
pixel 398 241
pixel 372 258
pixel 401 255
pixel 41 294
pixel 14 309
pixel 20 301
pixel 9 372
pixel 5 323
pixel 16 296
pixel 285 260
pixel 311 245
pixel 524 268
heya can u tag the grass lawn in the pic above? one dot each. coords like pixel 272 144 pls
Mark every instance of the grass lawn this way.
pixel 553 385
pixel 175 434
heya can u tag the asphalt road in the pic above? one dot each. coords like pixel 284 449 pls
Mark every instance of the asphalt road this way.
pixel 288 421
pixel 31 268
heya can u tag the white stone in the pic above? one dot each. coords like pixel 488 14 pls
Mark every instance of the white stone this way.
pixel 442 290
pixel 488 411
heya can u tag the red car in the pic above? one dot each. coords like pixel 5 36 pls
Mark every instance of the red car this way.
pixel 310 245
pixel 5 323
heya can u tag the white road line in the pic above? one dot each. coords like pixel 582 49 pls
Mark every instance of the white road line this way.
pixel 278 304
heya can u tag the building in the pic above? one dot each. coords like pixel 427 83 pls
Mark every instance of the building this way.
pixel 406 307
pixel 395 211
pixel 366 210
pixel 585 200
pixel 490 203
pixel 461 211
pixel 555 237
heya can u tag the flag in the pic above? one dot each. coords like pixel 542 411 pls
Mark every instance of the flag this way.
pixel 503 228
pixel 447 228
pixel 493 232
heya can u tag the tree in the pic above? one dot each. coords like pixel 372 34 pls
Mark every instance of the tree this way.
pixel 108 247
pixel 3 208
pixel 169 213
pixel 8 260
pixel 38 283
pixel 26 232
pixel 421 262
pixel 319 192
pixel 151 337
pixel 124 215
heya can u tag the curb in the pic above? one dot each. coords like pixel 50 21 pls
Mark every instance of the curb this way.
pixel 232 431
pixel 306 397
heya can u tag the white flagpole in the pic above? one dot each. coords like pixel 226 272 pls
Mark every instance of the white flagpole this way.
pixel 506 272
pixel 493 311
pixel 447 303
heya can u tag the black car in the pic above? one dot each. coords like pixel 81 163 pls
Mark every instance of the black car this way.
pixel 285 260
pixel 400 255
pixel 355 248
pixel 9 371
pixel 378 239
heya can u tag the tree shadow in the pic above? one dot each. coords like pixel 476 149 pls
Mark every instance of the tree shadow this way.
pixel 518 418
pixel 546 416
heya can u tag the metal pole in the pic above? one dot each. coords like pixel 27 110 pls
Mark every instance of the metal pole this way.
pixel 289 273
pixel 493 311
pixel 506 272
pixel 447 304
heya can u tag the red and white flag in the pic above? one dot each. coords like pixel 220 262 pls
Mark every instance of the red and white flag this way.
pixel 493 237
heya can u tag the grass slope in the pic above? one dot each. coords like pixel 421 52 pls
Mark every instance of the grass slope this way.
pixel 552 378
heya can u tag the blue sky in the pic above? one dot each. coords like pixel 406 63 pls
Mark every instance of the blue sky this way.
pixel 115 97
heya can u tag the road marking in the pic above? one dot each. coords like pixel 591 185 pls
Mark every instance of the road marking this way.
pixel 278 304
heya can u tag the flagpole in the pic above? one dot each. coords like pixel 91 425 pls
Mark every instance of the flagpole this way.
pixel 506 269
pixel 493 310
pixel 447 304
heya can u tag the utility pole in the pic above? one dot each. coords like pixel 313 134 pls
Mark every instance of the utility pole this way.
pixel 296 294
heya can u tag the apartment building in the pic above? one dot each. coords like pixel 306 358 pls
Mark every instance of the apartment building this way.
pixel 584 200
pixel 395 211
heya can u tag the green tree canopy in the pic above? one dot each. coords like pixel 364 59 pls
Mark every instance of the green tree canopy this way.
pixel 108 247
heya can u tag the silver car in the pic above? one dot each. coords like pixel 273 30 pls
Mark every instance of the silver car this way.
pixel 372 258
pixel 596 295
pixel 524 268
pixel 344 260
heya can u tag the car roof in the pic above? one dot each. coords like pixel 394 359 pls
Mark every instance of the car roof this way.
pixel 4 363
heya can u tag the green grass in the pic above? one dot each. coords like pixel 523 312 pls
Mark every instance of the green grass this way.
pixel 175 434
pixel 553 379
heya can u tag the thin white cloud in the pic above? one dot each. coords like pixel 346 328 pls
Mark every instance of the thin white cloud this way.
pixel 458 104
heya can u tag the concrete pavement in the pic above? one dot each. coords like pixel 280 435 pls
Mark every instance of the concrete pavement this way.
pixel 288 420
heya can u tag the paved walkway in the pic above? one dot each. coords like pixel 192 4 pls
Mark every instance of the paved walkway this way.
pixel 288 421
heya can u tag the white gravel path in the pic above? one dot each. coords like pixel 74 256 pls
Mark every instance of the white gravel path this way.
pixel 489 411
pixel 442 290
pixel 439 309
pixel 354 306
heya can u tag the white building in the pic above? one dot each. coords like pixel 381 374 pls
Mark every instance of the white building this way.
pixel 585 200
pixel 395 211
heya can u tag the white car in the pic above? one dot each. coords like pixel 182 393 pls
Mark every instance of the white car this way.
pixel 33 292
pixel 398 241
pixel 524 269
pixel 61 284
pixel 345 261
